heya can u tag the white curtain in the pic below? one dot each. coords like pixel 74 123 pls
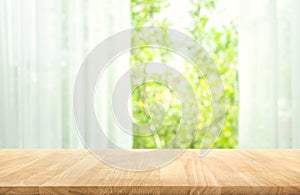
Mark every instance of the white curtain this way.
pixel 42 44
pixel 269 69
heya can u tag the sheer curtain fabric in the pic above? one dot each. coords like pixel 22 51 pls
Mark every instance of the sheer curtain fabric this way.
pixel 269 69
pixel 42 44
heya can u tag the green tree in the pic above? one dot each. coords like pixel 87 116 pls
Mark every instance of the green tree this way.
pixel 221 42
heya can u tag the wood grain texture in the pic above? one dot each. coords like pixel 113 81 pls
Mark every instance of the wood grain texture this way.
pixel 220 172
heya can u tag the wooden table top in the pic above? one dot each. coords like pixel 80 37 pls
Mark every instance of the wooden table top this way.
pixel 220 172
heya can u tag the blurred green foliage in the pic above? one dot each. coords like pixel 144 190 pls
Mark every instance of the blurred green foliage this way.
pixel 220 40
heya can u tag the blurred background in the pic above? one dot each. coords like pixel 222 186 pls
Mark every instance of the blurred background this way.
pixel 254 43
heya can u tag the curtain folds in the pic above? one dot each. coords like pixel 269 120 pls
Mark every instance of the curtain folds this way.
pixel 269 68
pixel 42 44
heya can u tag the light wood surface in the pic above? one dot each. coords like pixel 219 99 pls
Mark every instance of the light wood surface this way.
pixel 220 172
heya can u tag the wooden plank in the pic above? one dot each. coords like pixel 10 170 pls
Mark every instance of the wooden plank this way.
pixel 220 172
